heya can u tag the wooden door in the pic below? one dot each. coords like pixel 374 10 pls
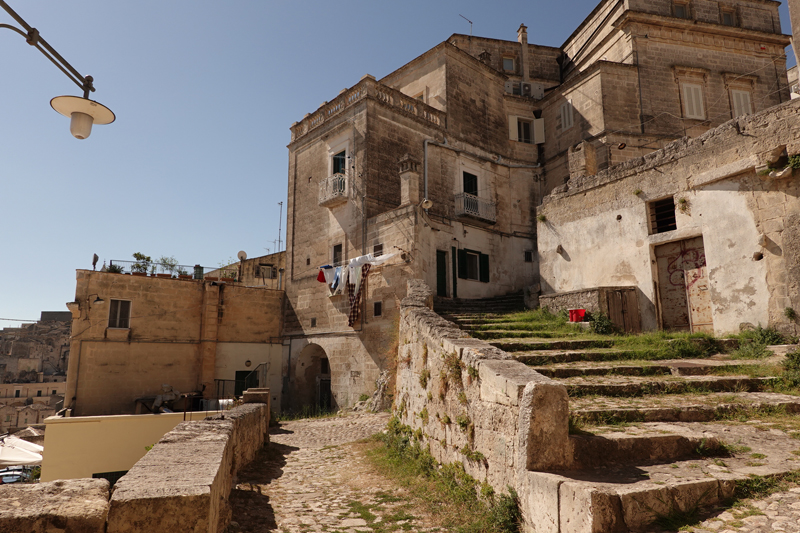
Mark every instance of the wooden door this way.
pixel 441 273
pixel 678 265
pixel 699 299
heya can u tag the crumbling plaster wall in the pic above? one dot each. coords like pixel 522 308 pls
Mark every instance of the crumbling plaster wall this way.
pixel 601 222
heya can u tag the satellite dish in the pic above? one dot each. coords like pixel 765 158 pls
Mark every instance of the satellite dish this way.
pixel 241 255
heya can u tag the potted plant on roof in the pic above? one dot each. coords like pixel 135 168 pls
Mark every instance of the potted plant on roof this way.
pixel 167 265
pixel 139 268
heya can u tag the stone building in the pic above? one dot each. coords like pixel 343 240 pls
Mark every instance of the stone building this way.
pixel 38 351
pixel 706 230
pixel 132 334
pixel 444 161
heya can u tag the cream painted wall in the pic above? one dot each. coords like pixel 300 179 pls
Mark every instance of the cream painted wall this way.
pixel 81 446
pixel 232 356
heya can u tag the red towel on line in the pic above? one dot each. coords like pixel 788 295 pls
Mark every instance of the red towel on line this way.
pixel 321 277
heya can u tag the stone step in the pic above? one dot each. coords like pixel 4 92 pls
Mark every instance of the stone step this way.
pixel 488 335
pixel 626 497
pixel 679 407
pixel 547 357
pixel 675 367
pixel 638 386
pixel 530 344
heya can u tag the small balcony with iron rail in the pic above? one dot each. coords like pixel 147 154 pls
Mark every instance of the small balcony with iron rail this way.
pixel 468 205
pixel 333 190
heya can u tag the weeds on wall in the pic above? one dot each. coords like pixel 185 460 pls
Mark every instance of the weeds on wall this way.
pixel 753 344
pixel 458 500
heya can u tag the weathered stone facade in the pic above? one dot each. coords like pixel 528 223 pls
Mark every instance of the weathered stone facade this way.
pixel 735 219
pixel 193 335
pixel 481 129
pixel 36 351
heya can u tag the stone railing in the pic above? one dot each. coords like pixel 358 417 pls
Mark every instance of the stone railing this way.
pixel 333 190
pixel 182 484
pixel 368 87
pixel 474 403
pixel 472 206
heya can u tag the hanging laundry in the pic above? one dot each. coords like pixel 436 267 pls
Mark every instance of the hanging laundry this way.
pixel 355 296
pixel 337 278
pixel 328 271
pixel 321 277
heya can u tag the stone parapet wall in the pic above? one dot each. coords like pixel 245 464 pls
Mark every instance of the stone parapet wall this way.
pixel 74 505
pixel 588 299
pixel 474 404
pixel 182 484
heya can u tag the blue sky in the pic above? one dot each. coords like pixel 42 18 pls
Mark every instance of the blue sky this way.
pixel 204 93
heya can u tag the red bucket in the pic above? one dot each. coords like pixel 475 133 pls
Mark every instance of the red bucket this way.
pixel 577 315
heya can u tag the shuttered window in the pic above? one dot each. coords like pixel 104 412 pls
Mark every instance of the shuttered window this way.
pixel 473 265
pixel 693 101
pixel 741 103
pixel 566 115
pixel 119 315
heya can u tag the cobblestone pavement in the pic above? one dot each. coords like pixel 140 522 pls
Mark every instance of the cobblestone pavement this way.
pixel 312 478
pixel 778 512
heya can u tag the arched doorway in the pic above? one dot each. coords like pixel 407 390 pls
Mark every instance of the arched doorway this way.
pixel 313 380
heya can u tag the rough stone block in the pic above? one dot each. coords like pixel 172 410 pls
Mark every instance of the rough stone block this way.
pixel 69 506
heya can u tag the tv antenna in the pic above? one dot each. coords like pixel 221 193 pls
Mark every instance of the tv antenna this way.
pixel 470 23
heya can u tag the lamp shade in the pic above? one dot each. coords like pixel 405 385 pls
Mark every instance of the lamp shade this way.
pixel 83 113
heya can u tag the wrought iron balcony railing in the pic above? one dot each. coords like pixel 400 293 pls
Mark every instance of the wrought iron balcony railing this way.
pixel 472 206
pixel 333 190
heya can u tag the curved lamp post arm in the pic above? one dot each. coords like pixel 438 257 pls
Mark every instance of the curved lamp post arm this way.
pixel 33 38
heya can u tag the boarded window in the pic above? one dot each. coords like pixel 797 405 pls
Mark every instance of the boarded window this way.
pixel 693 101
pixel 119 315
pixel 740 101
pixel 377 250
pixel 662 216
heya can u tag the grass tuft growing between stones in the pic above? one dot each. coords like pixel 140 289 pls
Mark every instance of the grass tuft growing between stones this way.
pixel 456 499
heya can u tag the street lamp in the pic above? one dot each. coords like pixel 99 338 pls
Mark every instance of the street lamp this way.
pixel 83 112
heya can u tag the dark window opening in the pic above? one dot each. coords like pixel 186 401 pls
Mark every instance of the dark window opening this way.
pixel 528 256
pixel 524 131
pixel 313 322
pixel 728 19
pixel 340 162
pixel 662 215
pixel 337 254
pixel 324 366
pixel 38 393
pixel 16 394
pixel 120 314
pixel 470 184
pixel 681 11
pixel 377 309
pixel 377 250
pixel 308 261
pixel 54 391
pixel 473 265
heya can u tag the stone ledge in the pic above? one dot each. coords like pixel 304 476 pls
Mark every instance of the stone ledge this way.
pixel 74 506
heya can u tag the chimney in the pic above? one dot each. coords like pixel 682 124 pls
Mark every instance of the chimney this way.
pixel 522 38
pixel 409 181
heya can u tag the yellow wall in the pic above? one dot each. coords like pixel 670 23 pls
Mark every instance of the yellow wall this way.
pixel 81 446
pixel 172 338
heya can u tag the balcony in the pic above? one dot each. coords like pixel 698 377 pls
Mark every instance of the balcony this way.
pixel 472 206
pixel 333 191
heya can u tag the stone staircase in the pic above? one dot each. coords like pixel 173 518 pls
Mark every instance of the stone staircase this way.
pixel 651 436
pixel 497 305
